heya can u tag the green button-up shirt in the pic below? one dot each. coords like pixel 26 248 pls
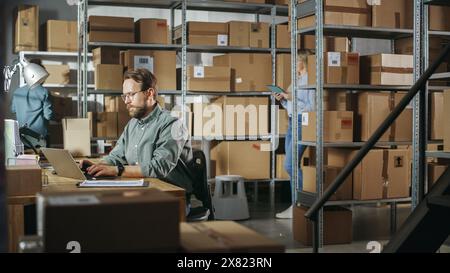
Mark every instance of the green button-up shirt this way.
pixel 154 143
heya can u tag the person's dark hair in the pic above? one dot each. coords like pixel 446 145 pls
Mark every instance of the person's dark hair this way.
pixel 142 76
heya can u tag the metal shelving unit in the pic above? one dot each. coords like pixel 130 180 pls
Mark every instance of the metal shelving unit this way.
pixel 183 48
pixel 438 154
pixel 360 87
pixel 315 7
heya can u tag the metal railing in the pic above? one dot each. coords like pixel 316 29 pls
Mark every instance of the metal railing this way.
pixel 419 85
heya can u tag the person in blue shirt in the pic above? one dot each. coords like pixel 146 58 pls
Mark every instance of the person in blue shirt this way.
pixel 32 108
pixel 305 103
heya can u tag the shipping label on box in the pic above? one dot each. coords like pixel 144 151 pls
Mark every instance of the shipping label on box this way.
pixel 145 62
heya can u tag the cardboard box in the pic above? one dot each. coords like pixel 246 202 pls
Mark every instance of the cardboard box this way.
pixel 382 174
pixel 104 124
pixel 224 236
pixel 434 172
pixel 387 69
pixel 229 155
pixel 109 77
pixel 341 12
pixel 283 121
pixel 244 116
pixel 373 108
pixel 259 35
pixel 437 115
pixel 332 157
pixel 345 192
pixel 151 31
pixel 280 171
pixel 337 126
pixel 446 117
pixel 339 68
pixel 105 55
pixel 208 78
pixel 435 46
pixel 337 224
pixel 204 33
pixel 62 35
pixel 115 104
pixel 111 29
pixel 283 70
pixel 438 17
pixel 334 100
pixel 23 180
pixel 390 14
pixel 124 221
pixel 332 44
pixel 58 73
pixel 27 28
pixel 282 2
pixel 161 63
pixel 239 33
pixel 283 36
pixel 249 72
pixel 76 136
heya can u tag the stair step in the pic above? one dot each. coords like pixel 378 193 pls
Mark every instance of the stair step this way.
pixel 440 76
pixel 437 2
pixel 440 201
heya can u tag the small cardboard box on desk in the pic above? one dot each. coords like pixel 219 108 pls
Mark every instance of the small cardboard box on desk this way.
pixel 76 136
pixel 110 221
pixel 23 180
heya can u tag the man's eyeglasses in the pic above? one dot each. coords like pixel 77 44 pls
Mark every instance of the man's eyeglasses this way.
pixel 130 95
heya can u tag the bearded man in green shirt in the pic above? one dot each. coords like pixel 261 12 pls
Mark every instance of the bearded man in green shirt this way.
pixel 153 143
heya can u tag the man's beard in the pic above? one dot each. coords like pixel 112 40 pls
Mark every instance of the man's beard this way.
pixel 137 112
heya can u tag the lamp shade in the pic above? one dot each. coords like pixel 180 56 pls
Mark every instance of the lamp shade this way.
pixel 34 74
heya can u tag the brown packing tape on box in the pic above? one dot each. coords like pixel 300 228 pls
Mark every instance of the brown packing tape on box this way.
pixel 391 108
pixel 384 173
pixel 346 9
pixel 395 70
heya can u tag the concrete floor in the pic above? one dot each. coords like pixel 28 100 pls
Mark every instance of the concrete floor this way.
pixel 370 223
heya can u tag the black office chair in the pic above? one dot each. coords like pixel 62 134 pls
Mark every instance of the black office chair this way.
pixel 201 190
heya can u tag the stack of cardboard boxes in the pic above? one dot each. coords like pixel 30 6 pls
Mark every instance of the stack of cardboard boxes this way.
pixel 108 70
pixel 392 14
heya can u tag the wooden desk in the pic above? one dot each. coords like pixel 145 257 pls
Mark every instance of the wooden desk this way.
pixel 61 184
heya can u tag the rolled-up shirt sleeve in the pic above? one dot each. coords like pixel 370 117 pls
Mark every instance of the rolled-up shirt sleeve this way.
pixel 167 152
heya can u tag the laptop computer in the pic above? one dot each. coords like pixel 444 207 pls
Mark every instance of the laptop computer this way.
pixel 64 165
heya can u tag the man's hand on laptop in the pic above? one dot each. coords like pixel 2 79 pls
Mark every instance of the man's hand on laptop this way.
pixel 85 164
pixel 102 170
